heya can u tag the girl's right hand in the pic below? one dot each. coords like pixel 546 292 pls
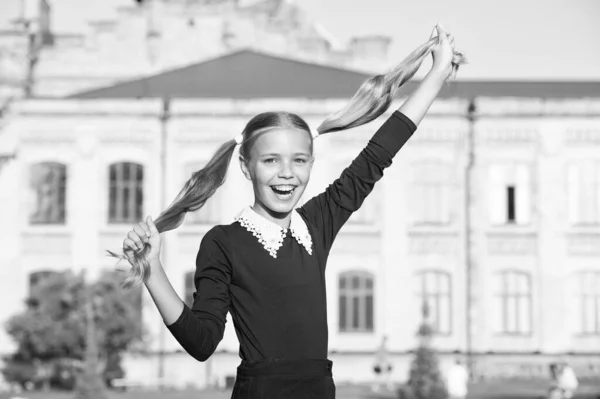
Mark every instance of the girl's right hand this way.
pixel 143 233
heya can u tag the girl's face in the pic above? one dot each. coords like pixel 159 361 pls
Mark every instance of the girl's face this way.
pixel 279 166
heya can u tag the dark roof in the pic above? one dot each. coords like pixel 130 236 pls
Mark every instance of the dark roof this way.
pixel 241 74
pixel 249 74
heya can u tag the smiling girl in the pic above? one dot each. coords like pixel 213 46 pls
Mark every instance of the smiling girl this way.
pixel 268 267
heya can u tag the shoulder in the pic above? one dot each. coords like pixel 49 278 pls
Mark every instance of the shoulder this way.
pixel 222 235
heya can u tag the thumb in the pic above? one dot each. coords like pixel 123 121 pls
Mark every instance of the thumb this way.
pixel 151 225
pixel 442 34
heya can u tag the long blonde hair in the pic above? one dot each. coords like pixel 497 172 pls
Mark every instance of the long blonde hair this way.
pixel 371 100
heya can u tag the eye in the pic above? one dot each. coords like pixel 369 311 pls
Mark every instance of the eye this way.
pixel 300 160
pixel 269 160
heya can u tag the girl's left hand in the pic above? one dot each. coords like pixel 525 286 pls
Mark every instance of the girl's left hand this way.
pixel 443 52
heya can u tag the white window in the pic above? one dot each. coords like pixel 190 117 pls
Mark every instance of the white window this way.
pixel 355 302
pixel 583 180
pixel 210 213
pixel 434 289
pixel 512 303
pixel 48 182
pixel 126 193
pixel 587 313
pixel 430 193
pixel 510 194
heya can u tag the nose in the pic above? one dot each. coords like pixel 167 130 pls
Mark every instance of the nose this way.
pixel 285 171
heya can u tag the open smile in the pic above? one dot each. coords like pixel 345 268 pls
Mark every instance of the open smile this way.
pixel 284 191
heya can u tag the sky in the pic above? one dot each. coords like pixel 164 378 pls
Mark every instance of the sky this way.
pixel 507 39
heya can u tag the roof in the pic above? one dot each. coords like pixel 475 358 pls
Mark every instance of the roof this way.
pixel 247 74
pixel 241 74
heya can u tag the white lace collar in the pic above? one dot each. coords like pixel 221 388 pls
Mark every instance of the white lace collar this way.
pixel 271 235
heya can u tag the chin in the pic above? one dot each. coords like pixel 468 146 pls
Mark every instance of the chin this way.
pixel 275 205
pixel 278 207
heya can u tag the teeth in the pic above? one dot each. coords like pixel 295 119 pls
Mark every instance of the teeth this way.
pixel 284 188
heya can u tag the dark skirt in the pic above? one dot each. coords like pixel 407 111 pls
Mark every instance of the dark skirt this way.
pixel 285 379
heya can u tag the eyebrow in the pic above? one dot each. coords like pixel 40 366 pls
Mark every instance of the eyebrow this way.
pixel 272 154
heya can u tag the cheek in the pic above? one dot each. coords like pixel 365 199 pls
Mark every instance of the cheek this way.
pixel 304 174
pixel 262 174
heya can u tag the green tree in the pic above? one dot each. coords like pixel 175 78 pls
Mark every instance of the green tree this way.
pixel 51 332
pixel 425 380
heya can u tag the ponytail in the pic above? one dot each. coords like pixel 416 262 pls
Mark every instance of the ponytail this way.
pixel 376 94
pixel 196 191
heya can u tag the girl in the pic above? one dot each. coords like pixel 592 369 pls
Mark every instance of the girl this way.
pixel 268 267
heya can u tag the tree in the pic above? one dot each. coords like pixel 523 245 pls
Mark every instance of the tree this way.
pixel 425 380
pixel 51 333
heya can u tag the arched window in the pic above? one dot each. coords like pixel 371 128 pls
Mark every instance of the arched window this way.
pixel 126 193
pixel 588 302
pixel 435 289
pixel 210 213
pixel 430 193
pixel 512 300
pixel 356 302
pixel 190 288
pixel 48 182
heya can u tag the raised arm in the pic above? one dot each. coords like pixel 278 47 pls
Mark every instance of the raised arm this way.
pixel 330 210
pixel 416 106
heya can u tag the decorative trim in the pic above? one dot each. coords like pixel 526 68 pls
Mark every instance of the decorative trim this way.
pixel 271 235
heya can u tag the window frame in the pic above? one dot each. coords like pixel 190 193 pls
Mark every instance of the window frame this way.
pixel 350 296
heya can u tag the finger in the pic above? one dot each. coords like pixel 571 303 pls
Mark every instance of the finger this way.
pixel 451 39
pixel 132 235
pixel 434 33
pixel 151 225
pixel 144 226
pixel 442 32
pixel 129 246
pixel 139 230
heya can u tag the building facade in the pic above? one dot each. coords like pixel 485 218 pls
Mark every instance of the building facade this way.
pixel 490 214
pixel 518 229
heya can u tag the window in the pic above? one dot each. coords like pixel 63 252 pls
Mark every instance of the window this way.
pixel 434 288
pixel 190 288
pixel 510 194
pixel 583 181
pixel 210 213
pixel 126 193
pixel 512 303
pixel 588 300
pixel 48 181
pixel 430 193
pixel 356 302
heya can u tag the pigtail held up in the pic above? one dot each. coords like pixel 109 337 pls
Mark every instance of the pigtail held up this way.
pixel 376 94
pixel 196 191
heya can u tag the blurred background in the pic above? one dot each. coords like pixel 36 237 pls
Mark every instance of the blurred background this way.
pixel 481 245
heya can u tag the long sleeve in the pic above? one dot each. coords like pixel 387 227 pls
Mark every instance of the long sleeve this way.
pixel 328 211
pixel 200 329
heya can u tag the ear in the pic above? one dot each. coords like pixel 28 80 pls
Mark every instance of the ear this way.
pixel 244 167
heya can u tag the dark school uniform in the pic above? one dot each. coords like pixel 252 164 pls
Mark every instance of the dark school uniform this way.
pixel 272 281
